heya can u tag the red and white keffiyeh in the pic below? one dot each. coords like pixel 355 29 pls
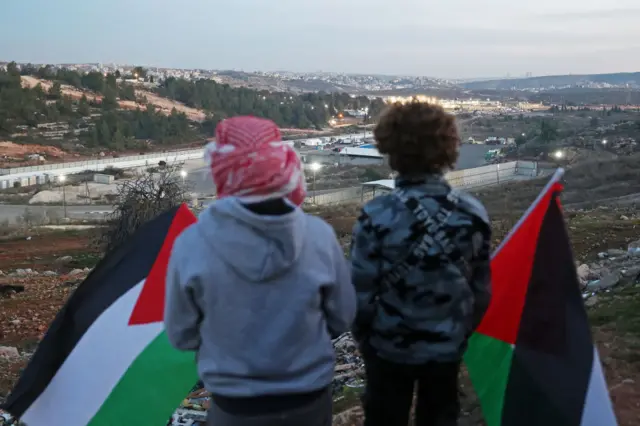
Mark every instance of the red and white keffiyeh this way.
pixel 250 161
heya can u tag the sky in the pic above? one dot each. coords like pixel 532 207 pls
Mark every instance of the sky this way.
pixel 436 38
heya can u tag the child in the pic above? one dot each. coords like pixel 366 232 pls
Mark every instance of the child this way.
pixel 420 265
pixel 258 288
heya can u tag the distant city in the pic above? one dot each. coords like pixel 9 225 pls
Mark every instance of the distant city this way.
pixel 304 82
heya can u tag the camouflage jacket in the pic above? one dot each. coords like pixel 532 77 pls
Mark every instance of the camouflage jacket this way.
pixel 421 268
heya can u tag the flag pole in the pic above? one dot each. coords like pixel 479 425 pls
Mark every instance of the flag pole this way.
pixel 557 175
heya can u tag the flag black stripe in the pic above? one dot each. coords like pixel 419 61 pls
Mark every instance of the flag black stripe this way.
pixel 116 274
pixel 553 355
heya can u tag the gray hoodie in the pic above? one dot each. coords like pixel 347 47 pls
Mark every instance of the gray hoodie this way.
pixel 257 297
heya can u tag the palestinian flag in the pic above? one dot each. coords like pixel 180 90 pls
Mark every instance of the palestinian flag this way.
pixel 105 359
pixel 532 360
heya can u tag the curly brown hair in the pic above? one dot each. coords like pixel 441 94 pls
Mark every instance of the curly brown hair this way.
pixel 418 137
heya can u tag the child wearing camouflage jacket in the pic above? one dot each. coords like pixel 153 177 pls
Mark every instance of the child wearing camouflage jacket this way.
pixel 421 268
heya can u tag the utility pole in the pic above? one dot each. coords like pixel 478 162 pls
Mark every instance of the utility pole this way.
pixel 315 167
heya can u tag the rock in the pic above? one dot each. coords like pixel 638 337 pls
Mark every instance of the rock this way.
pixel 623 217
pixel 75 272
pixel 49 274
pixel 63 260
pixel 15 322
pixel 616 253
pixel 9 352
pixel 602 255
pixel 87 270
pixel 632 271
pixel 591 301
pixel 583 272
pixel 607 281
pixel 1 273
pixel 634 248
pixel 20 272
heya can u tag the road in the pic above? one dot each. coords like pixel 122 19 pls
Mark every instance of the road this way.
pixel 12 212
pixel 200 180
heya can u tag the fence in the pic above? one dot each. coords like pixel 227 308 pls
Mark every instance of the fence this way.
pixel 28 175
pixel 493 174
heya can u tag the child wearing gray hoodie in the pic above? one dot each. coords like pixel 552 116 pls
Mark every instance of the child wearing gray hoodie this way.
pixel 257 288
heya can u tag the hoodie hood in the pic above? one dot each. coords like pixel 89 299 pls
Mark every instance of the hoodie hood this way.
pixel 257 247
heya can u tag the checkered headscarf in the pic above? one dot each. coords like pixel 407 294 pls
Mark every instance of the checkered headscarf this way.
pixel 250 161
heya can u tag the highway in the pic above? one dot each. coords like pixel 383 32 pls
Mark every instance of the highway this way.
pixel 200 180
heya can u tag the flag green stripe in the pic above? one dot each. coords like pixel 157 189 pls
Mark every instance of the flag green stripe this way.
pixel 488 361
pixel 160 374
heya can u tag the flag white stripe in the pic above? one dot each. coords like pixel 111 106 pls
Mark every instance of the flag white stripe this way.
pixel 94 366
pixel 598 410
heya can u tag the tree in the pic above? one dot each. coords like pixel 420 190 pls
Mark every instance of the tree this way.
pixel 118 140
pixel 12 68
pixel 109 101
pixel 548 131
pixel 104 133
pixel 140 200
pixel 93 81
pixel 521 140
pixel 55 91
pixel 139 72
pixel 127 92
pixel 83 107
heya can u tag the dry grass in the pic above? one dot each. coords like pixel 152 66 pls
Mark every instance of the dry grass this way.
pixel 589 181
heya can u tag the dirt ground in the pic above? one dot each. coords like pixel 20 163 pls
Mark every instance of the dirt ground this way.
pixel 166 105
pixel 24 315
pixel 163 104
pixel 10 149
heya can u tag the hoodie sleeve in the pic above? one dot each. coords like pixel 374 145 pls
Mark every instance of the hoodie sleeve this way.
pixel 339 298
pixel 181 314
pixel 364 273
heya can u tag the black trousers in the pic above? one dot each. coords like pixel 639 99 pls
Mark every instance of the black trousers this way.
pixel 390 390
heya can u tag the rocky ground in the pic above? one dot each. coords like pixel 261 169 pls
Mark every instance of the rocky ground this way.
pixel 40 268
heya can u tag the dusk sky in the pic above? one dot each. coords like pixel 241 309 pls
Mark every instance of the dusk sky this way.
pixel 450 39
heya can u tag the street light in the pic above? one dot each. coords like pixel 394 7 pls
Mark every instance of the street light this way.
pixel 62 179
pixel 183 174
pixel 558 154
pixel 314 168
pixel 604 142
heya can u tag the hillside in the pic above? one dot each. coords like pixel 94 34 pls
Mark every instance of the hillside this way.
pixel 557 81
pixel 89 113
pixel 163 105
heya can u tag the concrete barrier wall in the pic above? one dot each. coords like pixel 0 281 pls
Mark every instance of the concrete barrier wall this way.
pixel 53 170
pixel 493 174
pixel 527 168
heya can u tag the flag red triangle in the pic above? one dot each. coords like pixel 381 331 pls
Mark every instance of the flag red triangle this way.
pixel 150 305
pixel 511 268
